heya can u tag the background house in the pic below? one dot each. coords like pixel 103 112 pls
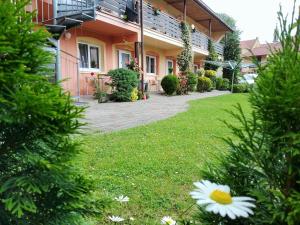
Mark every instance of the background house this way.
pixel 253 48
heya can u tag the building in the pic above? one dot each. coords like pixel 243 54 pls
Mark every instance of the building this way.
pixel 95 36
pixel 253 48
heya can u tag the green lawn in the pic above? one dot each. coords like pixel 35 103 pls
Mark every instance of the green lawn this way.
pixel 156 165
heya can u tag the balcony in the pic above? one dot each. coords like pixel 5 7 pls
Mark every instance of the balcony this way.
pixel 73 12
pixel 170 26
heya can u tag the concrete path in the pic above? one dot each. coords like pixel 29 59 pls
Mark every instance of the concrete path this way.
pixel 107 117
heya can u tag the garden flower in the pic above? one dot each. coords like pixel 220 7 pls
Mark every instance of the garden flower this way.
pixel 217 199
pixel 122 199
pixel 168 220
pixel 116 219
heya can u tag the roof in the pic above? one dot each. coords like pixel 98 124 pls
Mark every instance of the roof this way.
pixel 201 13
pixel 263 49
pixel 248 44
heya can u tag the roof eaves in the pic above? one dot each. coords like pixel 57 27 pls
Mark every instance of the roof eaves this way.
pixel 208 9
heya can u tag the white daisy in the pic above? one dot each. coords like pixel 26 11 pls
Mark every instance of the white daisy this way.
pixel 116 219
pixel 122 199
pixel 168 220
pixel 217 199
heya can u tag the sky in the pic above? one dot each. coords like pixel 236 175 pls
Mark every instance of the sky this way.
pixel 255 18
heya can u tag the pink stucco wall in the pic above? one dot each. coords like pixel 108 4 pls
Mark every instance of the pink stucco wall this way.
pixel 94 34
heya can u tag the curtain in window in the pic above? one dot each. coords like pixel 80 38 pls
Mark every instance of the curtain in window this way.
pixel 83 51
pixel 94 57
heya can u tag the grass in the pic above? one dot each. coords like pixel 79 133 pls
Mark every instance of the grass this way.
pixel 156 165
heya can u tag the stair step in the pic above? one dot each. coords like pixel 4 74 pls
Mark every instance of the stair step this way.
pixel 58 29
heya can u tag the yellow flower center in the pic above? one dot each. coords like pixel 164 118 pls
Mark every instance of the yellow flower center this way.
pixel 221 197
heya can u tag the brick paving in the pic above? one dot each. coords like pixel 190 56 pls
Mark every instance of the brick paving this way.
pixel 113 116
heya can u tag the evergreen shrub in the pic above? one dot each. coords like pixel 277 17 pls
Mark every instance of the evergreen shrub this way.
pixel 170 84
pixel 204 84
pixel 38 182
pixel 264 152
pixel 123 83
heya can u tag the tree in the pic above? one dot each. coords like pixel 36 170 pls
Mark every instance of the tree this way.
pixel 263 159
pixel 213 56
pixel 232 50
pixel 38 184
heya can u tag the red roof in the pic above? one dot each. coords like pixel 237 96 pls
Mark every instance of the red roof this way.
pixel 248 44
pixel 262 49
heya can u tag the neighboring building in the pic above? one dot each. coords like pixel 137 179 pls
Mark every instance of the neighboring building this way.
pixel 95 36
pixel 253 48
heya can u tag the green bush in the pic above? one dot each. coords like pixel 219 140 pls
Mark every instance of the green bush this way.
pixel 134 95
pixel 204 84
pixel 201 72
pixel 123 82
pixel 222 84
pixel 263 158
pixel 192 81
pixel 226 84
pixel 170 84
pixel 240 88
pixel 210 73
pixel 38 181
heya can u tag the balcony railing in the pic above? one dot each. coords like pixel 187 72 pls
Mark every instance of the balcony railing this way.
pixel 170 26
pixel 219 48
pixel 117 7
pixel 155 20
pixel 200 40
pixel 161 22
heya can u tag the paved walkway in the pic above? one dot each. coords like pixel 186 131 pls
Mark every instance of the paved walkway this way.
pixel 107 117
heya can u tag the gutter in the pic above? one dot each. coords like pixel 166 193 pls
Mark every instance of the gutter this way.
pixel 212 13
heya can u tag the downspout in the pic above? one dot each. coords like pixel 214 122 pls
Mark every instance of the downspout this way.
pixel 184 11
pixel 57 63
pixel 142 44
pixel 209 23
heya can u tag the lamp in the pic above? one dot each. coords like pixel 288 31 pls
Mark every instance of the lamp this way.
pixel 68 35
pixel 193 28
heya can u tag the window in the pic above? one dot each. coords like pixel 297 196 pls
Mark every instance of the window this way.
pixel 124 59
pixel 89 56
pixel 169 67
pixel 150 65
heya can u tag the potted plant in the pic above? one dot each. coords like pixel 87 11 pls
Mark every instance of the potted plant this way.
pixel 156 11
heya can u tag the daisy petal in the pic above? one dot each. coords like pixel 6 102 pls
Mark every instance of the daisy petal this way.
pixel 239 199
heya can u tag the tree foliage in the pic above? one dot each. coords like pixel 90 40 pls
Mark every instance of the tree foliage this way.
pixel 213 56
pixel 232 50
pixel 264 157
pixel 184 59
pixel 38 184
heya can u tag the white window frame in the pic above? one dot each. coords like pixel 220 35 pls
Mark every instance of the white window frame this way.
pixel 167 65
pixel 151 57
pixel 89 57
pixel 120 52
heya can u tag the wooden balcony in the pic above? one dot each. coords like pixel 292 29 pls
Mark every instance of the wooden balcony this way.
pixel 73 12
pixel 171 27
